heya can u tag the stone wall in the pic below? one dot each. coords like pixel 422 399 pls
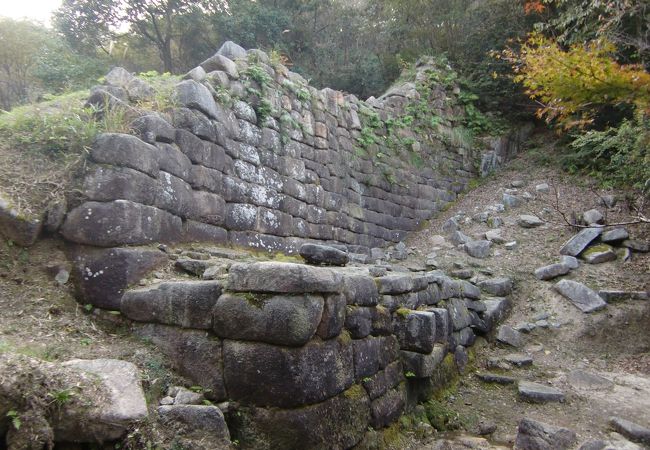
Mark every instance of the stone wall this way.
pixel 248 153
pixel 313 357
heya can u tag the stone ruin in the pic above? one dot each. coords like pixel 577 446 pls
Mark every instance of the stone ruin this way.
pixel 296 356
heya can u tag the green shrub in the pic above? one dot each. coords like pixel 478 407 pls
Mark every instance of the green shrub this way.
pixel 617 156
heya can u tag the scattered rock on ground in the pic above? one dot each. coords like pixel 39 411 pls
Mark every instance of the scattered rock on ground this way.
pixel 508 335
pixel 478 249
pixel 631 430
pixel 551 271
pixel 584 298
pixel 529 221
pixel 534 435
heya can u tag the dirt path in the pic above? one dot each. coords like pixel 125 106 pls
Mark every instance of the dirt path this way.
pixel 601 361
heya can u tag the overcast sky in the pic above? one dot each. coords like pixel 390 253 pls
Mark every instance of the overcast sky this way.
pixel 38 10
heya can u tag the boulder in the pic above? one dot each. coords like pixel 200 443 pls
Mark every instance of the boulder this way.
pixel 582 297
pixel 575 245
pixel 232 51
pixel 423 365
pixel 458 314
pixel 194 95
pixel 323 255
pixel 221 63
pixel 534 435
pixel 636 246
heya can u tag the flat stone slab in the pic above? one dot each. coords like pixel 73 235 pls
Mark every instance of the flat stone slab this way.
pixel 631 430
pixel 489 377
pixel 583 298
pixel 575 245
pixel 636 246
pixel 615 235
pixel 586 380
pixel 282 277
pixel 519 359
pixel 539 393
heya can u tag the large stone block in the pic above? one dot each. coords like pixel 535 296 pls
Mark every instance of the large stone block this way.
pixel 280 319
pixel 187 304
pixel 172 160
pixel 367 357
pixel 120 222
pixel 102 275
pixel 387 408
pixel 174 195
pixel 105 184
pixel 126 150
pixel 153 128
pixel 196 123
pixel 415 330
pixel 202 232
pixel 269 375
pixel 423 365
pixel 200 423
pixel 282 278
pixel 458 313
pixel 194 354
pixel 395 284
pixel 333 317
pixel 337 423
pixel 382 381
pixel 358 321
pixel 208 208
pixel 191 94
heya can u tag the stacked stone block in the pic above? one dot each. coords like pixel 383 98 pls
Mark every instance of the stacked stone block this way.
pixel 290 343
pixel 209 170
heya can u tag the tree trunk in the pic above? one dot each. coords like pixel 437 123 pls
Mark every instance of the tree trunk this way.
pixel 166 55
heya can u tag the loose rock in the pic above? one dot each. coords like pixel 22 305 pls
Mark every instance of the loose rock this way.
pixel 585 299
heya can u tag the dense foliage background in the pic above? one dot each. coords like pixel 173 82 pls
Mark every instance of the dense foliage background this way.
pixel 580 65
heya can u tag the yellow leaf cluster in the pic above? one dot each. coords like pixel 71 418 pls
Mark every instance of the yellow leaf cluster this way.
pixel 572 85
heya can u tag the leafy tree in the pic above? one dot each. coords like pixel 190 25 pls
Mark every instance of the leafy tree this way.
pixel 20 42
pixel 157 21
pixel 573 85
